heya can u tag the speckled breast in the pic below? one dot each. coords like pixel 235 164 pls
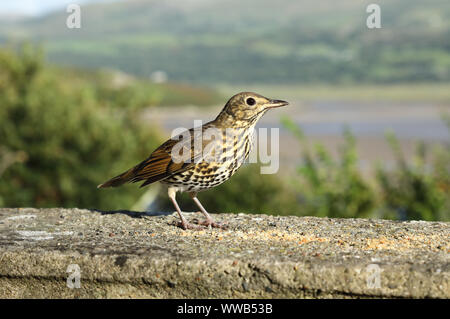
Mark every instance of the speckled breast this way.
pixel 208 173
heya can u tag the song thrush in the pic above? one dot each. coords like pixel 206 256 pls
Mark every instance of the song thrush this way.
pixel 210 154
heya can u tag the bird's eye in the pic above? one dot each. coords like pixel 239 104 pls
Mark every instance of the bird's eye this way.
pixel 250 101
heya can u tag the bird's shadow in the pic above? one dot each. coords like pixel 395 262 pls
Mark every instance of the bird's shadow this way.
pixel 130 213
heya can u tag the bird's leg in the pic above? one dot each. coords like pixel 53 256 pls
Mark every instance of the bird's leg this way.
pixel 209 220
pixel 184 223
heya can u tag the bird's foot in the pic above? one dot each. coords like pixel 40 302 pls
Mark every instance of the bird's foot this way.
pixel 212 223
pixel 186 225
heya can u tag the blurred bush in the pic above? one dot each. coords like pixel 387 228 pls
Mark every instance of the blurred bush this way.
pixel 416 190
pixel 72 138
pixel 330 187
pixel 7 159
pixel 409 191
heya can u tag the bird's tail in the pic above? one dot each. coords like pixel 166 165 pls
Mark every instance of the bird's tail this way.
pixel 119 179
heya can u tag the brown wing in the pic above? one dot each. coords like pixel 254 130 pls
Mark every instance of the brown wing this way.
pixel 162 163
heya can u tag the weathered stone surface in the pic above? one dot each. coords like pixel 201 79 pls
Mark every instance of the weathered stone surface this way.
pixel 128 254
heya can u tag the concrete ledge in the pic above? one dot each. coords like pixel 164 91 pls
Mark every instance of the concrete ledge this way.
pixel 129 254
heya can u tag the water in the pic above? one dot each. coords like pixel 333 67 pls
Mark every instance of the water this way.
pixel 408 121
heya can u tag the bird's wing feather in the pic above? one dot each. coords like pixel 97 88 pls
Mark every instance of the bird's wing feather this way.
pixel 164 161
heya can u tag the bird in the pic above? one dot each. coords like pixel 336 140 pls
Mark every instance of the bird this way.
pixel 202 157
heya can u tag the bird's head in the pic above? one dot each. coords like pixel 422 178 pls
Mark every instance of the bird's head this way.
pixel 246 108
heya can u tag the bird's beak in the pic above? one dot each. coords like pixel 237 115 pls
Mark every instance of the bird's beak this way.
pixel 276 103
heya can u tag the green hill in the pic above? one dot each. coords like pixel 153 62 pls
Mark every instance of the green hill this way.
pixel 252 41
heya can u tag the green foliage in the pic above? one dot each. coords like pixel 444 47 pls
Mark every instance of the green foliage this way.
pixel 7 159
pixel 441 175
pixel 72 139
pixel 416 191
pixel 330 187
pixel 335 188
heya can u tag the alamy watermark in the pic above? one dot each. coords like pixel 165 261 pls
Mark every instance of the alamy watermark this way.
pixel 373 21
pixel 74 278
pixel 73 21
pixel 373 279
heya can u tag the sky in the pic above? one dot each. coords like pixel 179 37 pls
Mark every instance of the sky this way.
pixel 37 7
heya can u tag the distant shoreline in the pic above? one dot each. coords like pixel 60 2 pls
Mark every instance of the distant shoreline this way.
pixel 436 92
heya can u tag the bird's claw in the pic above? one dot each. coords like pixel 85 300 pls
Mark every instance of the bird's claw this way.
pixel 185 225
pixel 211 223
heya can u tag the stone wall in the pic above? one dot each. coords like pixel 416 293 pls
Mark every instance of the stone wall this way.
pixel 75 253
